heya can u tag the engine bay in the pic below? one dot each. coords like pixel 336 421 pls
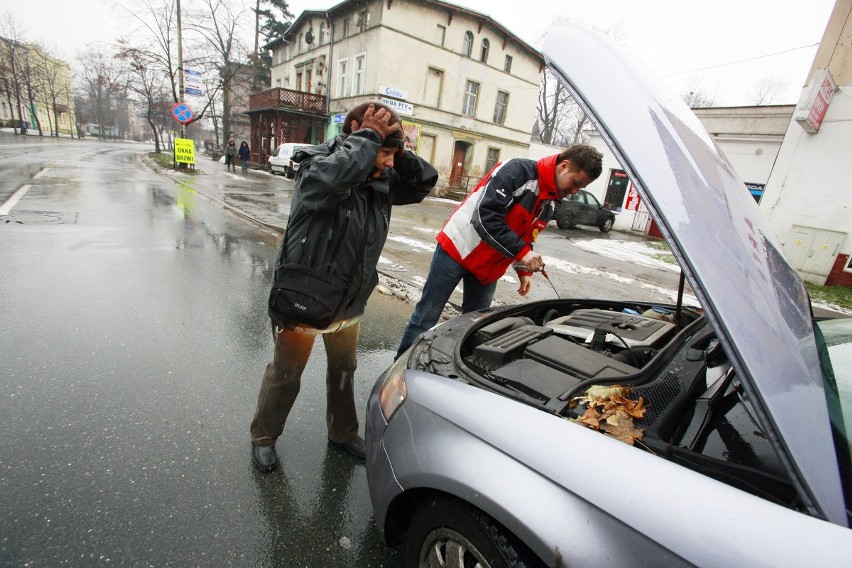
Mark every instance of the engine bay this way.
pixel 551 356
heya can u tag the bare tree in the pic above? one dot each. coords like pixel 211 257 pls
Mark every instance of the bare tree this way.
pixel 765 90
pixel 54 76
pixel 104 81
pixel 12 41
pixel 697 96
pixel 560 121
pixel 149 87
pixel 222 25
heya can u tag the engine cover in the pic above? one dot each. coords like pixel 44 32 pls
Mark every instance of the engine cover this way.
pixel 636 331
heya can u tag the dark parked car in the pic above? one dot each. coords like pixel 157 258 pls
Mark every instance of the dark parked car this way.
pixel 583 208
pixel 587 433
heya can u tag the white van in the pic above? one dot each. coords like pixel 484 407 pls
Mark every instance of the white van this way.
pixel 280 162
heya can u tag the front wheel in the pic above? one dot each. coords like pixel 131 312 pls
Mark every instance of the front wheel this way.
pixel 451 534
pixel 606 225
pixel 289 173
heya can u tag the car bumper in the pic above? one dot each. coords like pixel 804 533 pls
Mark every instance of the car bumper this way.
pixel 382 482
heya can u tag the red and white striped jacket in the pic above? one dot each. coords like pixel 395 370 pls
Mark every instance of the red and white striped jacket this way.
pixel 499 221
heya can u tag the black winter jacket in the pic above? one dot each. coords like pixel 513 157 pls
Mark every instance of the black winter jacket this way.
pixel 336 205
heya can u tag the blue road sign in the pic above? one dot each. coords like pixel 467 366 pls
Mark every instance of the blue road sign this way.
pixel 182 113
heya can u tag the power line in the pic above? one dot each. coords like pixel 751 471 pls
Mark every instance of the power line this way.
pixel 743 60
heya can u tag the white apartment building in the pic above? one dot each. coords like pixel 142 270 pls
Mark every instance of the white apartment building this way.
pixel 464 85
pixel 808 198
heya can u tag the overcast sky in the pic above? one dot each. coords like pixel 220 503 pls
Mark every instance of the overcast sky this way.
pixel 721 48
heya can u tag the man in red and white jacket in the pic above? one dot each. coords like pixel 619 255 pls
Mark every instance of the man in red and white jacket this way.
pixel 495 226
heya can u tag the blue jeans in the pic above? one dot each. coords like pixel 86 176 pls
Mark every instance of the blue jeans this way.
pixel 444 275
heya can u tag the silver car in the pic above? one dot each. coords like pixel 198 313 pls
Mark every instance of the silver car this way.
pixel 599 433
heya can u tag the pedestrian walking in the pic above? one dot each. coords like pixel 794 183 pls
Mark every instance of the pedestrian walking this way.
pixel 230 156
pixel 495 227
pixel 338 224
pixel 244 152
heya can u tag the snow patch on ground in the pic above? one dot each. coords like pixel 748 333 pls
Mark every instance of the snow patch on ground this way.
pixel 413 243
pixel 551 262
pixel 390 265
pixel 631 251
pixel 444 200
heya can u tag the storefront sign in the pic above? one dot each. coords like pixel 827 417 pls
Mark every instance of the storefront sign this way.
pixel 411 133
pixel 633 200
pixel 184 151
pixel 813 105
pixel 400 107
pixel 393 92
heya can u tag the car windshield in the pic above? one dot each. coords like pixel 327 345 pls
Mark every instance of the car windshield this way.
pixel 834 341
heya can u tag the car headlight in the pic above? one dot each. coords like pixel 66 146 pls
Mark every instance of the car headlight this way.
pixel 393 391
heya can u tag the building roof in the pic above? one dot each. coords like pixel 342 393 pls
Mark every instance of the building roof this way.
pixel 451 9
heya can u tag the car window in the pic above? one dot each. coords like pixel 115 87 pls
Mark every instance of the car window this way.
pixel 834 342
pixel 592 200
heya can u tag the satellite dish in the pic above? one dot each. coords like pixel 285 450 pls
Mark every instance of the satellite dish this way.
pixel 309 37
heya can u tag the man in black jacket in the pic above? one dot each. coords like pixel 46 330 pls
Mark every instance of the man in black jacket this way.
pixel 339 219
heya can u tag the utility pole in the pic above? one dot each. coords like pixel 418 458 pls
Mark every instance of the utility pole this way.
pixel 181 87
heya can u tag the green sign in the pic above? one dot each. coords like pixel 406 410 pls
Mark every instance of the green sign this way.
pixel 184 151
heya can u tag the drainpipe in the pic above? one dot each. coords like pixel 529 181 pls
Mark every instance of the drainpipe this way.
pixel 329 71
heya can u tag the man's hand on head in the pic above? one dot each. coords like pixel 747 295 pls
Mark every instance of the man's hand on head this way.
pixel 377 120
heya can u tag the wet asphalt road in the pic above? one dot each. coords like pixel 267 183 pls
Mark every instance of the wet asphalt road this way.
pixel 134 338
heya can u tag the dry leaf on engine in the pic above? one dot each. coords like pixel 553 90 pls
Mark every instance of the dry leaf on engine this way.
pixel 611 412
pixel 603 392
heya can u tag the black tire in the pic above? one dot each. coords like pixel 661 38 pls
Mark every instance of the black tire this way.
pixel 606 224
pixel 565 219
pixel 289 173
pixel 441 524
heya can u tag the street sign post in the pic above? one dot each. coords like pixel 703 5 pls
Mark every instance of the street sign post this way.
pixel 192 82
pixel 184 151
pixel 182 113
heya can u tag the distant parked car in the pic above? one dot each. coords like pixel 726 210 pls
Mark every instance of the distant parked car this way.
pixel 281 160
pixel 583 209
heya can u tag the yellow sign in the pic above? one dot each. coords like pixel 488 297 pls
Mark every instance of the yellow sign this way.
pixel 184 151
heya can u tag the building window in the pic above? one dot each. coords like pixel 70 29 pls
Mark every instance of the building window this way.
pixel 360 64
pixel 280 54
pixel 467 46
pixel 298 81
pixel 500 107
pixel 301 45
pixel 341 78
pixel 471 92
pixel 483 56
pixel 322 33
pixel 346 27
pixel 442 34
pixel 362 21
pixel 492 158
pixel 507 67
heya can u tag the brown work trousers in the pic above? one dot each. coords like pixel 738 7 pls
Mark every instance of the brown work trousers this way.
pixel 282 379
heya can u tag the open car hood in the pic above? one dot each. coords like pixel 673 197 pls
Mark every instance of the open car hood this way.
pixel 753 297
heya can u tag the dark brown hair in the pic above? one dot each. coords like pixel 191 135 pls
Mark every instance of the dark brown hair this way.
pixel 585 157
pixel 395 139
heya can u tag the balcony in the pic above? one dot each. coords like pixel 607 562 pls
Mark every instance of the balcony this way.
pixel 287 99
